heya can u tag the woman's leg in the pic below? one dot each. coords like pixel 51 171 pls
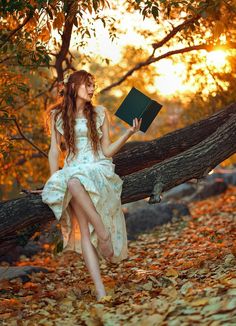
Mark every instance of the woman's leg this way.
pixel 88 250
pixel 83 201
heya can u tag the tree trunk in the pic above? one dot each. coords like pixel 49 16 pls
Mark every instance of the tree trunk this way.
pixel 159 165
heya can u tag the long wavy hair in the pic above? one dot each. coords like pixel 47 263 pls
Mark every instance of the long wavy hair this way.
pixel 67 110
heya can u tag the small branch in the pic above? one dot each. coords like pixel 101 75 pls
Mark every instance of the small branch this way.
pixel 33 66
pixel 155 196
pixel 52 53
pixel 23 136
pixel 69 65
pixel 214 78
pixel 5 111
pixel 7 58
pixel 38 95
pixel 174 31
pixel 18 28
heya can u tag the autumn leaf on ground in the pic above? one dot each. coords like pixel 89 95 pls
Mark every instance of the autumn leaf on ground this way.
pixel 181 272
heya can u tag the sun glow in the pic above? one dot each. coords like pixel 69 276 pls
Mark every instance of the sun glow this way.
pixel 217 58
pixel 170 77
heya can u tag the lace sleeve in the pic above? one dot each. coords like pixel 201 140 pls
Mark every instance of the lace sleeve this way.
pixel 101 114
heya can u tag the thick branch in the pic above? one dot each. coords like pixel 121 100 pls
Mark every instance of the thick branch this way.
pixel 66 37
pixel 193 163
pixel 22 212
pixel 147 153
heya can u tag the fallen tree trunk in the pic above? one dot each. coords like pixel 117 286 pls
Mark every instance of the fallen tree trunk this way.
pixel 194 162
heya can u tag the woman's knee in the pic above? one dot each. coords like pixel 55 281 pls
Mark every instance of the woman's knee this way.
pixel 73 184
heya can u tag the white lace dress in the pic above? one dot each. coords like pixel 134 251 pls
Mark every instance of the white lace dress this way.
pixel 103 185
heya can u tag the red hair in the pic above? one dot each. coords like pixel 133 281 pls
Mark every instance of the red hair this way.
pixel 67 111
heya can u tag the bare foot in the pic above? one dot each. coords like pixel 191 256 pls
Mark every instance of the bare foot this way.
pixel 99 291
pixel 105 247
pixel 104 299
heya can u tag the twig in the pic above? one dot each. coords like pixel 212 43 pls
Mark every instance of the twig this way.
pixel 23 136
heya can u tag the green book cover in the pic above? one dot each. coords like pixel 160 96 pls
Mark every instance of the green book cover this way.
pixel 138 105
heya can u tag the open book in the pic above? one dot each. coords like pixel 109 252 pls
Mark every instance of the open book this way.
pixel 138 105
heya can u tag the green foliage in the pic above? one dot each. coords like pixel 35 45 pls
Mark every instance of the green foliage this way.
pixel 171 9
pixel 12 6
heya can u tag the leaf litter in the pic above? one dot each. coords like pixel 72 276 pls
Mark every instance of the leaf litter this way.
pixel 183 272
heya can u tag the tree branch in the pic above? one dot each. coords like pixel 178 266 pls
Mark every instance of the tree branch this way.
pixel 144 154
pixel 174 31
pixel 36 96
pixel 18 28
pixel 150 60
pixel 71 11
pixel 23 136
pixel 33 66
pixel 192 163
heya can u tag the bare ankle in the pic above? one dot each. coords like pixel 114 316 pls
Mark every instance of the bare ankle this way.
pixel 104 236
pixel 100 292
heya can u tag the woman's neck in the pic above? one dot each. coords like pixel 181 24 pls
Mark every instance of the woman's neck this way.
pixel 80 104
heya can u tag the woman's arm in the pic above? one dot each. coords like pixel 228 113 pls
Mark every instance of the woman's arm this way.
pixel 54 151
pixel 109 149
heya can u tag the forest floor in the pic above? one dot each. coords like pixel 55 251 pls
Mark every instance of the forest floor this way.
pixel 183 273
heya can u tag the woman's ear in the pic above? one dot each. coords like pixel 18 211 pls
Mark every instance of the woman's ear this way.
pixel 73 86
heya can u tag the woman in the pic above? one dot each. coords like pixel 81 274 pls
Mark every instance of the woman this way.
pixel 86 191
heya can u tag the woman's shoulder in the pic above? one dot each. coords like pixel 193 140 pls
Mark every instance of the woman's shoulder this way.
pixel 100 108
pixel 53 112
pixel 58 122
pixel 101 111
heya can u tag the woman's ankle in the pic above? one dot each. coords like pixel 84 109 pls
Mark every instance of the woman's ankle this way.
pixel 100 292
pixel 104 236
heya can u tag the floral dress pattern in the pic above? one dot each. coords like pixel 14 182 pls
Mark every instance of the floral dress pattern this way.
pixel 104 186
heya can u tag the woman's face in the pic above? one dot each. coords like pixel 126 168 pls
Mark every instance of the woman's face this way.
pixel 86 90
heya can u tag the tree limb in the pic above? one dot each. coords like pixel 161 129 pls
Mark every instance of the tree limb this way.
pixel 30 15
pixel 71 10
pixel 147 153
pixel 151 59
pixel 174 31
pixel 190 164
pixel 23 136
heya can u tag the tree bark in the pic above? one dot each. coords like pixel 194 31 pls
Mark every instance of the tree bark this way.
pixel 159 165
pixel 71 10
pixel 196 162
pixel 141 155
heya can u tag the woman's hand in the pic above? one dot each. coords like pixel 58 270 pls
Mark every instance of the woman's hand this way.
pixel 136 126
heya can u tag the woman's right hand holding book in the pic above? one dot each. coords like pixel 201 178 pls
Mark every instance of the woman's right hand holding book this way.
pixel 136 126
